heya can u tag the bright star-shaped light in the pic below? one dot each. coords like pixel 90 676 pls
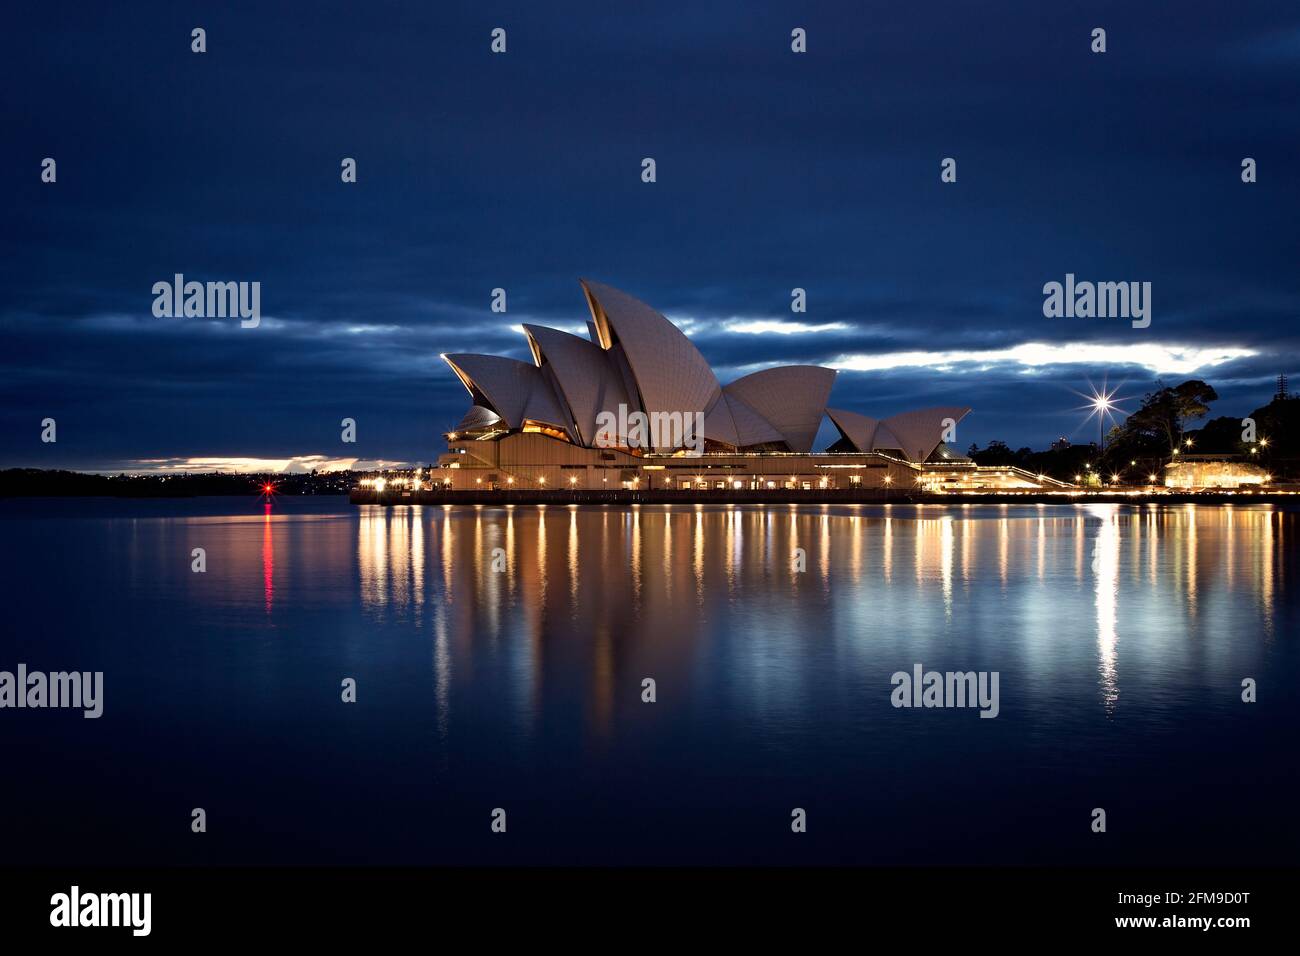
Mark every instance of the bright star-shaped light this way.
pixel 1102 404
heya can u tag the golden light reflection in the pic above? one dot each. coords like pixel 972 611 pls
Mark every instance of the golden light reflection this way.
pixel 1267 553
pixel 697 556
pixel 668 553
pixel 634 516
pixel 621 616
pixel 794 543
pixel 824 552
pixel 448 570
pixel 946 536
pixel 1004 543
pixel 417 558
pixel 1153 547
pixel 1042 544
pixel 573 559
pixel 887 560
pixel 1105 573
pixel 541 553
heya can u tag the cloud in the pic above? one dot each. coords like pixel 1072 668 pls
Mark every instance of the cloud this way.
pixel 1033 356
pixel 299 464
pixel 780 327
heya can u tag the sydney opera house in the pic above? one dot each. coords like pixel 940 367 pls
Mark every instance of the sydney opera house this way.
pixel 636 406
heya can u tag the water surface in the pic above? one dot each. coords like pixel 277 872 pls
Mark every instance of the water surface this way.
pixel 1121 635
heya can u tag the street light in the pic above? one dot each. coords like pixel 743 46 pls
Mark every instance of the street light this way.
pixel 1101 407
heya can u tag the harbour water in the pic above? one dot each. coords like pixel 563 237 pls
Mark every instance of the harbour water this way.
pixel 500 655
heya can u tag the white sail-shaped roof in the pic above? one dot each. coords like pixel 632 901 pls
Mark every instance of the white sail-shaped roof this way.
pixel 587 379
pixel 514 390
pixel 734 423
pixel 477 417
pixel 751 427
pixel 638 359
pixel 886 440
pixel 719 426
pixel 915 434
pixel 671 375
pixel 791 398
pixel 919 433
pixel 859 430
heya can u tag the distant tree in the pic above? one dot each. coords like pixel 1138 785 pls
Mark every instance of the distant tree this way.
pixel 1157 427
pixel 1219 436
pixel 994 453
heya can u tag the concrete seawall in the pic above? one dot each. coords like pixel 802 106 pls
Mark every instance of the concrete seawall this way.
pixel 786 496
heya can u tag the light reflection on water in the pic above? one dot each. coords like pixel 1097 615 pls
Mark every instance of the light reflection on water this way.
pixel 1121 634
pixel 661 581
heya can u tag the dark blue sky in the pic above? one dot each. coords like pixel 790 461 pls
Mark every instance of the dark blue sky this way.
pixel 522 171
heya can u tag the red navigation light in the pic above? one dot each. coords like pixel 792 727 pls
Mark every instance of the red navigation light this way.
pixel 268 488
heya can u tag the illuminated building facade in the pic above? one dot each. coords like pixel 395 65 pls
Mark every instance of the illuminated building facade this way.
pixel 1192 472
pixel 560 421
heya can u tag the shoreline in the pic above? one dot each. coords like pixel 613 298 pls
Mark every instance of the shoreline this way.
pixel 623 497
